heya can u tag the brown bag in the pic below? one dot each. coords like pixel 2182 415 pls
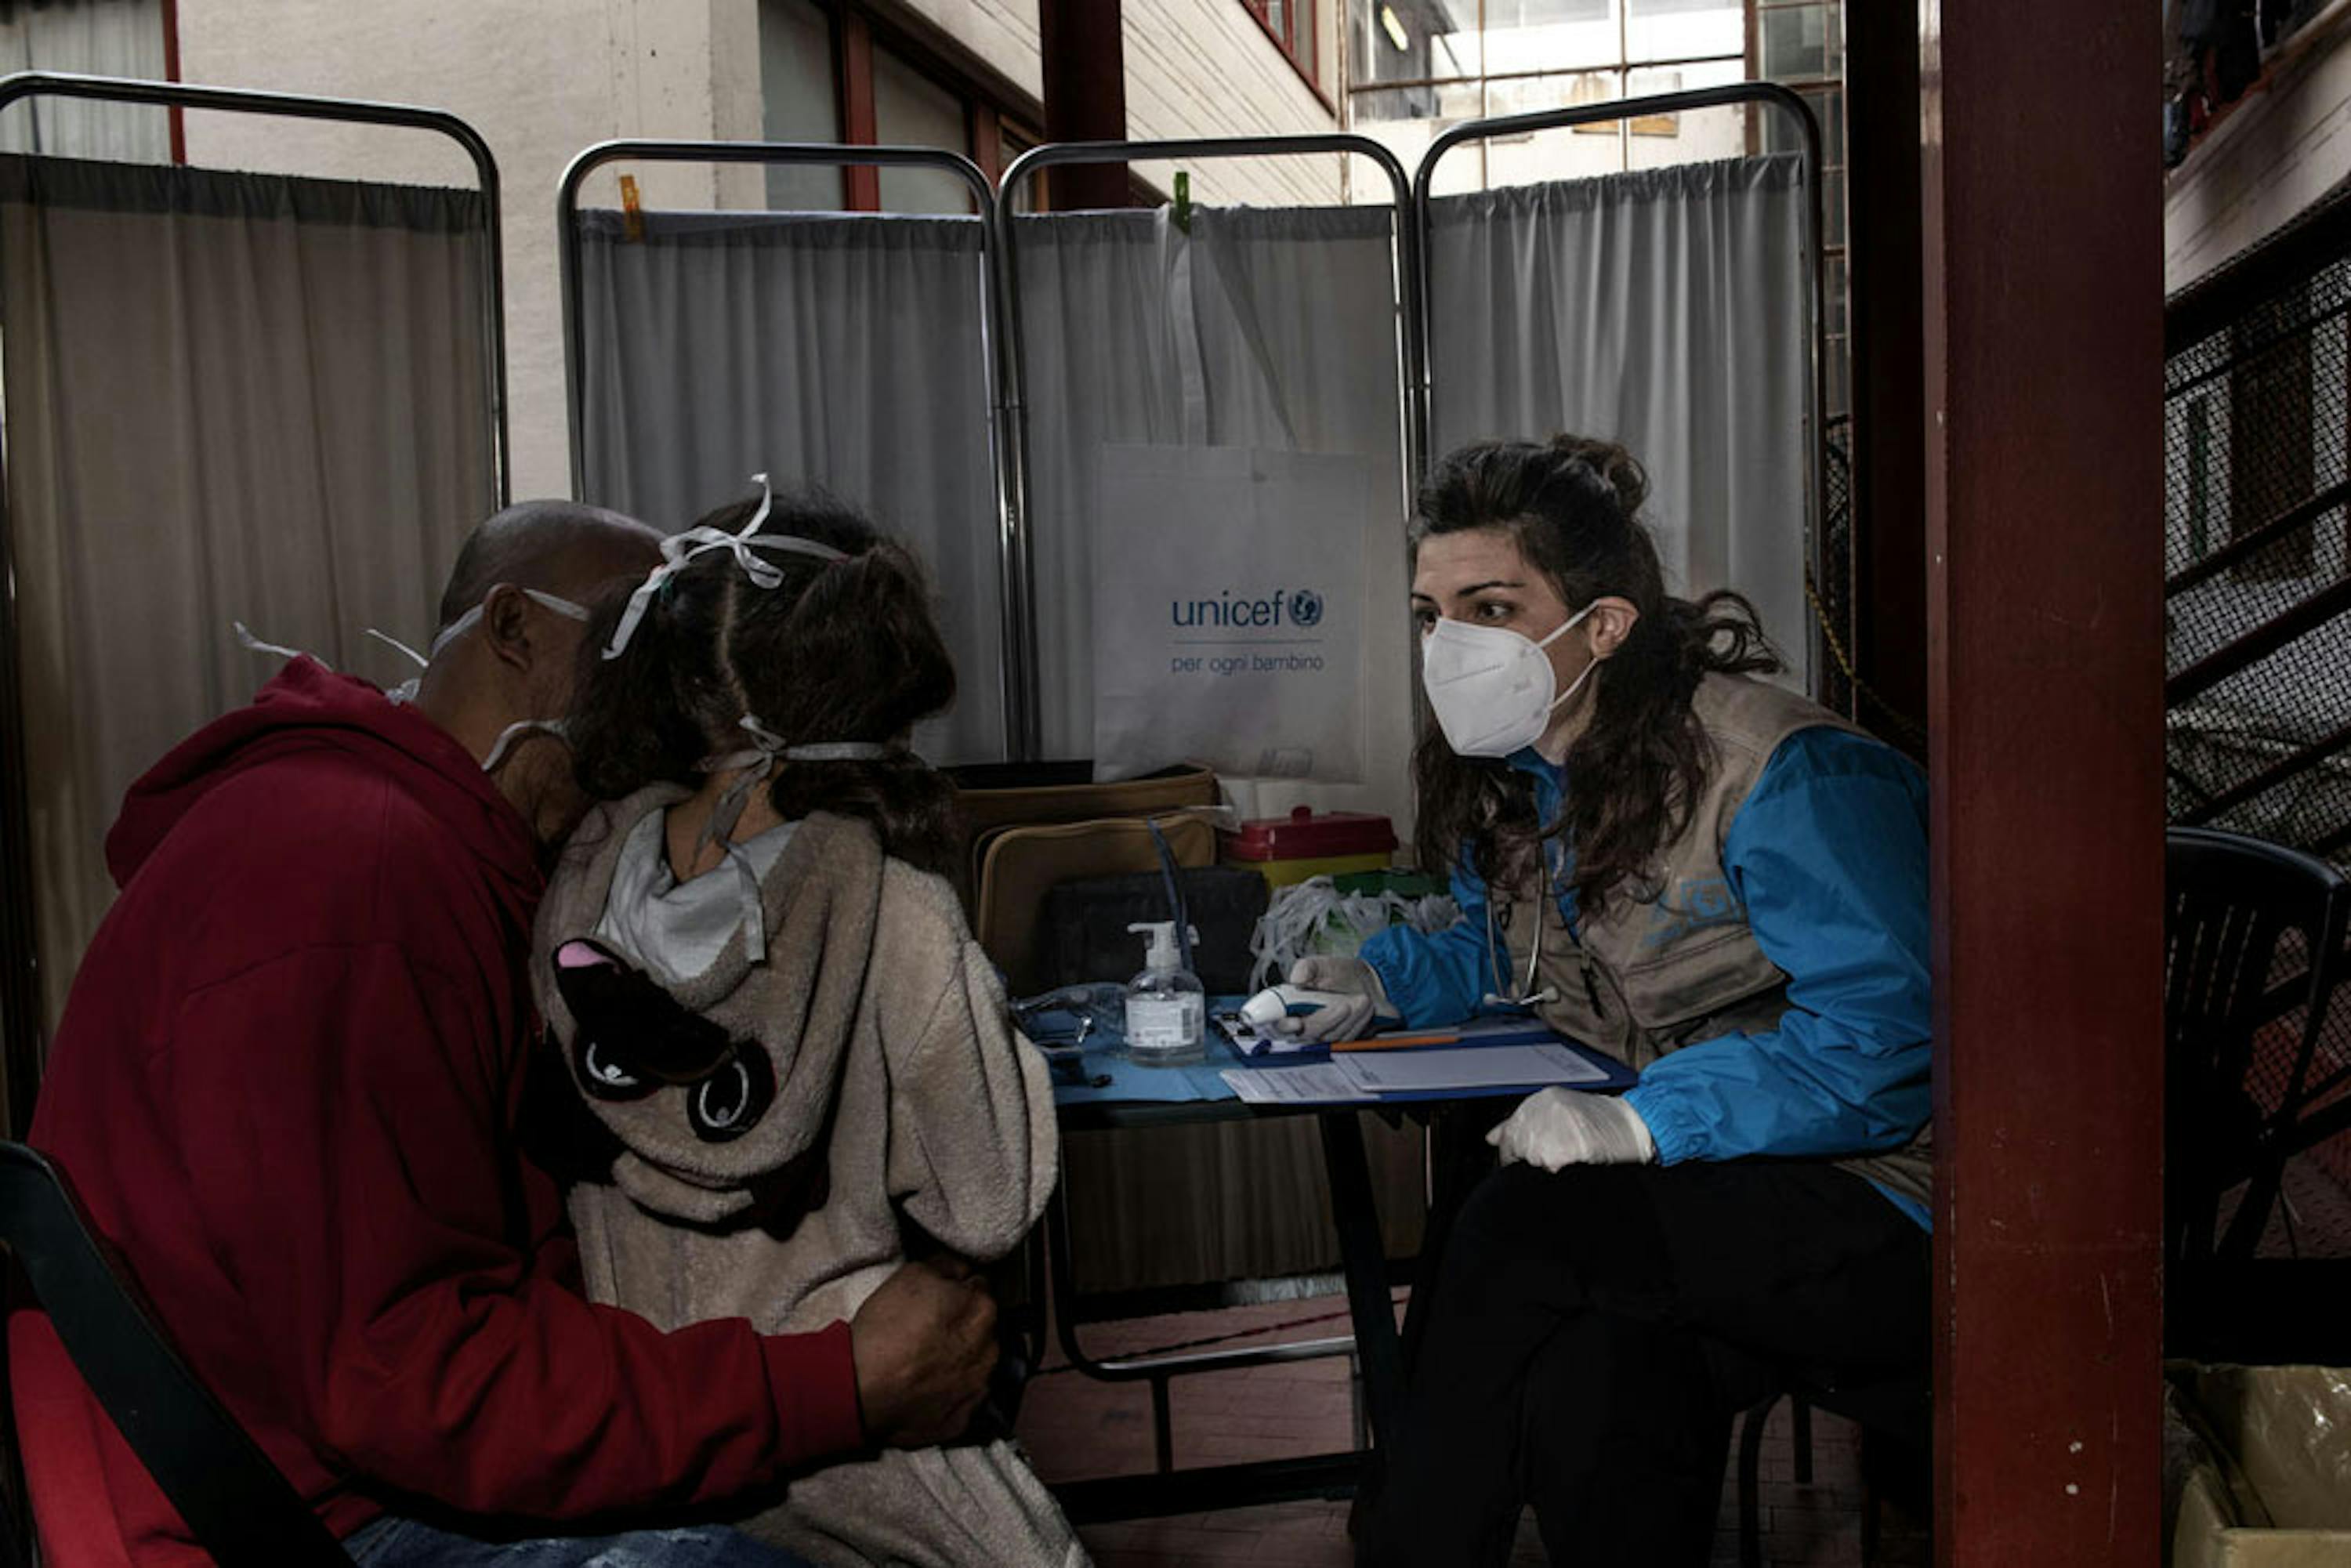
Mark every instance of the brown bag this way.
pixel 1019 865
pixel 994 795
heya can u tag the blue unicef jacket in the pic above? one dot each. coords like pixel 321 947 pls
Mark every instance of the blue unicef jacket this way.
pixel 1828 853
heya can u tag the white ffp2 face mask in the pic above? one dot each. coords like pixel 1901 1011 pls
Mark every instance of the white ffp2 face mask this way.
pixel 1492 690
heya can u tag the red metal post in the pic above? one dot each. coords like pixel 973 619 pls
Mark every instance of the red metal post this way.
pixel 179 132
pixel 1085 97
pixel 862 184
pixel 988 141
pixel 2044 291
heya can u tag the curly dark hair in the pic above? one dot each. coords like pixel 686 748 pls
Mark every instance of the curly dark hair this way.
pixel 1572 506
pixel 842 650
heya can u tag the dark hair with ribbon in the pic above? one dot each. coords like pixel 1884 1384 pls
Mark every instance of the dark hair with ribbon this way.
pixel 1572 506
pixel 835 654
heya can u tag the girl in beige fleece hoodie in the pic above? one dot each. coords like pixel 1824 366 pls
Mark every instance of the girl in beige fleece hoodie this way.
pixel 775 1008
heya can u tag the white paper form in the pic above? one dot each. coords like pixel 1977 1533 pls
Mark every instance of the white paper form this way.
pixel 1465 1067
pixel 1321 1083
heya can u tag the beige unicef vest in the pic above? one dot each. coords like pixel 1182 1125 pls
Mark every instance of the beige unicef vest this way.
pixel 1654 975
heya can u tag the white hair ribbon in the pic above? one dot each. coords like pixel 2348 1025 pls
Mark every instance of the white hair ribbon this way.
pixel 744 546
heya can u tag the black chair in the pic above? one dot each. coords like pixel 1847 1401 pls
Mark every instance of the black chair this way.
pixel 1894 1415
pixel 2253 936
pixel 241 1509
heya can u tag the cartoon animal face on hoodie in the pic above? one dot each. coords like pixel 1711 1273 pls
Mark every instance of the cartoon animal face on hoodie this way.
pixel 719 1087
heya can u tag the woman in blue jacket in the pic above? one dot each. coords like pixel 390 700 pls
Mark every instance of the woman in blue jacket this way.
pixel 1660 855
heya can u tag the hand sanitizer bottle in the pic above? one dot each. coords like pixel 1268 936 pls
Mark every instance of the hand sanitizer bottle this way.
pixel 1166 1009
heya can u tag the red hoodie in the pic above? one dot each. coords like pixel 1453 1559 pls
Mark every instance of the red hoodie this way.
pixel 287 1086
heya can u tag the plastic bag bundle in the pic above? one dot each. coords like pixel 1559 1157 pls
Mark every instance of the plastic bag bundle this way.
pixel 1314 917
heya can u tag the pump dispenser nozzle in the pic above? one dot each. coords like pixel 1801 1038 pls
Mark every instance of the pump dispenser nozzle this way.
pixel 1161 953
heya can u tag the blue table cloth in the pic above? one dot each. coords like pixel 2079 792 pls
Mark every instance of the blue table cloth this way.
pixel 1131 1083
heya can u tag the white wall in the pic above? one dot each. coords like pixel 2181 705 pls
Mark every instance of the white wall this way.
pixel 538 78
pixel 2279 149
pixel 1003 33
pixel 1194 68
pixel 1205 68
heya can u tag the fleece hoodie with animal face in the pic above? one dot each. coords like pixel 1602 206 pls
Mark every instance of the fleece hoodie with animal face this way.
pixel 287 1086
pixel 858 1093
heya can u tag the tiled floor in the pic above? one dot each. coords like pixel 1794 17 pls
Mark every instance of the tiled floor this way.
pixel 1076 1427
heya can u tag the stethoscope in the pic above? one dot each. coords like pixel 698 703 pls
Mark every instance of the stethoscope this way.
pixel 1498 963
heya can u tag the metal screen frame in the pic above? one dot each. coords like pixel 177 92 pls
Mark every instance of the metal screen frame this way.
pixel 1734 95
pixel 1021 604
pixel 22 1032
pixel 772 154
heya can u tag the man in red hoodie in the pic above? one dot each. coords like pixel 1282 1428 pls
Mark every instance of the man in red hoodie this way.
pixel 287 1086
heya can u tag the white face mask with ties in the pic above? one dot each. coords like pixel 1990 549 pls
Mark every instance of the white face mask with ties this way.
pixel 504 744
pixel 1491 688
pixel 472 618
pixel 406 690
pixel 560 728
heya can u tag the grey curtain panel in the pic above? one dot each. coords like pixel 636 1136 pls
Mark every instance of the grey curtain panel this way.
pixel 96 38
pixel 845 351
pixel 1665 308
pixel 229 397
pixel 1259 327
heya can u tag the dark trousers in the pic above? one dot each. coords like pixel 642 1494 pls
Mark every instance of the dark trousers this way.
pixel 1591 1331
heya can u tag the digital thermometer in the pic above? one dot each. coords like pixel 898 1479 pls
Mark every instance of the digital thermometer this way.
pixel 1270 1007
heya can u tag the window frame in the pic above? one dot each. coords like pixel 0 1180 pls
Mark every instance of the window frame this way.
pixel 1305 57
pixel 858 30
pixel 1818 91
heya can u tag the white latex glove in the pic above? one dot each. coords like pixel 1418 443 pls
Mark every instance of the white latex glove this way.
pixel 1366 1000
pixel 1555 1127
